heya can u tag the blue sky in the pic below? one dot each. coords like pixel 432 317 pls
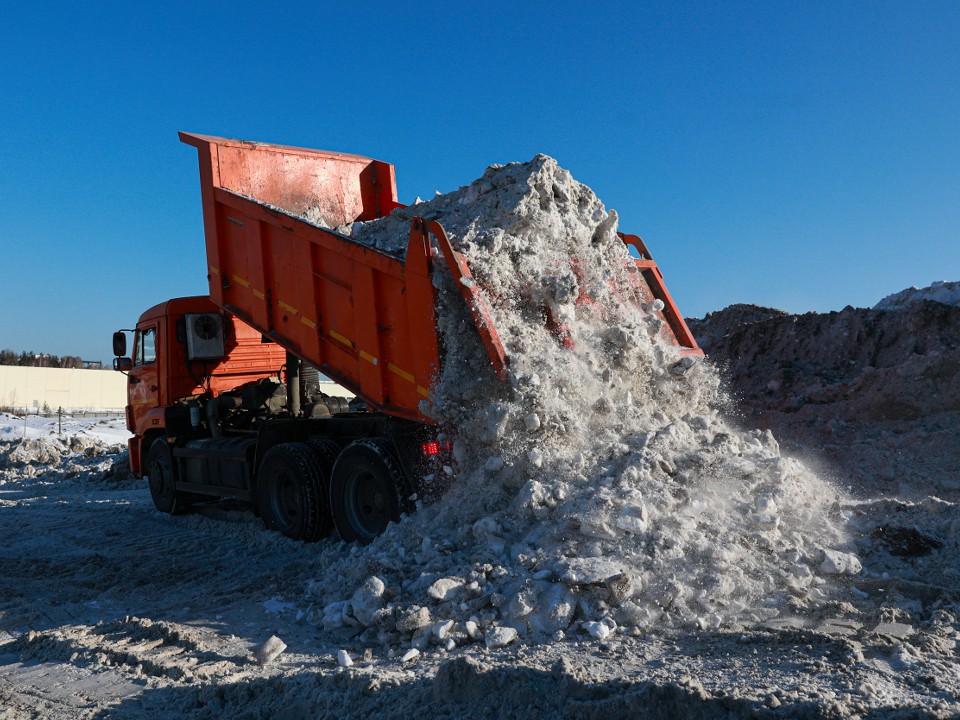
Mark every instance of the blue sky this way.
pixel 804 156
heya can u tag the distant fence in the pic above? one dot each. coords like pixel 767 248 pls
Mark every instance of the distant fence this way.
pixel 42 391
pixel 39 390
pixel 61 412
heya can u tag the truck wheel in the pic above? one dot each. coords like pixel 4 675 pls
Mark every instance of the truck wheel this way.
pixel 291 492
pixel 162 477
pixel 363 490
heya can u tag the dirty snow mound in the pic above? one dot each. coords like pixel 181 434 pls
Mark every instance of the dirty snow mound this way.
pixel 944 292
pixel 873 394
pixel 597 490
pixel 56 459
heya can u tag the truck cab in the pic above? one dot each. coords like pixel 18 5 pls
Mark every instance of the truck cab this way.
pixel 186 350
pixel 218 411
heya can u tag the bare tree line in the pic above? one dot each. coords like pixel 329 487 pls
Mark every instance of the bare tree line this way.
pixel 32 359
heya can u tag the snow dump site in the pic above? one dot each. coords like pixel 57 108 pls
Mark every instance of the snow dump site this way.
pixel 610 543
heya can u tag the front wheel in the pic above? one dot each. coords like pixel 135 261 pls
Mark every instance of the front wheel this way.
pixel 291 492
pixel 162 478
pixel 364 490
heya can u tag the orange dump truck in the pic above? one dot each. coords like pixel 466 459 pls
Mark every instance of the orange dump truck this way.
pixel 224 392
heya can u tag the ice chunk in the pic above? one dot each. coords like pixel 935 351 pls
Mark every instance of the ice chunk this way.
pixel 498 637
pixel 368 600
pixel 598 630
pixel 840 563
pixel 442 628
pixel 413 619
pixel 589 571
pixel 270 650
pixel 445 588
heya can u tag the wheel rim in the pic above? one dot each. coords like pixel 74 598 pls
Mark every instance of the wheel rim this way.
pixel 285 500
pixel 368 509
pixel 160 480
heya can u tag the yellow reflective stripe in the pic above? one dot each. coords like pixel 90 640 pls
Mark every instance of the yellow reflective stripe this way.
pixel 241 281
pixel 337 336
pixel 402 373
pixel 289 308
pixel 214 270
pixel 259 295
pixel 423 391
pixel 308 322
pixel 369 358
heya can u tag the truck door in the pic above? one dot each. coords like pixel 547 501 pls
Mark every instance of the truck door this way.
pixel 144 377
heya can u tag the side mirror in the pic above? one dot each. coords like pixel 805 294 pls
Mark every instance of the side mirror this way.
pixel 119 344
pixel 123 364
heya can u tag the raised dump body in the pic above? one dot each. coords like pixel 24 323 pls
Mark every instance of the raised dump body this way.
pixel 362 317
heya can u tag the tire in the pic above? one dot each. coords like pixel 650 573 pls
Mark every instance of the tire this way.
pixel 327 451
pixel 162 477
pixel 291 492
pixel 364 495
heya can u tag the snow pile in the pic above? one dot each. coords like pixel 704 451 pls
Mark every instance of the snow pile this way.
pixel 61 458
pixel 599 489
pixel 944 292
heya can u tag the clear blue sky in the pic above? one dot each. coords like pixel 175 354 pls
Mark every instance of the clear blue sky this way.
pixel 804 156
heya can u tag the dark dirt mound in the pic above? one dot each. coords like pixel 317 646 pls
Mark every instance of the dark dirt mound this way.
pixel 872 394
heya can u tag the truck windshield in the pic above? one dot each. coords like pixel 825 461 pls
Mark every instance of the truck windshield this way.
pixel 146 346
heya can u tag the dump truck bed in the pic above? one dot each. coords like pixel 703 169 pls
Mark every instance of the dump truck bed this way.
pixel 362 317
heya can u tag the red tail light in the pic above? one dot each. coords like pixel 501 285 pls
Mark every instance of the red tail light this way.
pixel 430 448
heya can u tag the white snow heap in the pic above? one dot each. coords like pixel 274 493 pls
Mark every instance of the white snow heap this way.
pixel 944 292
pixel 599 483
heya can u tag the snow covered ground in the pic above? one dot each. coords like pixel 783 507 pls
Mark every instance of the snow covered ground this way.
pixel 108 429
pixel 111 609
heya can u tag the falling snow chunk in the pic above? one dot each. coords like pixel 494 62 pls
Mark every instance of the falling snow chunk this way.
pixel 410 655
pixel 344 659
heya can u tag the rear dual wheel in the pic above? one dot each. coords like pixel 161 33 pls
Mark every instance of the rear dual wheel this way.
pixel 291 492
pixel 302 486
pixel 364 490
